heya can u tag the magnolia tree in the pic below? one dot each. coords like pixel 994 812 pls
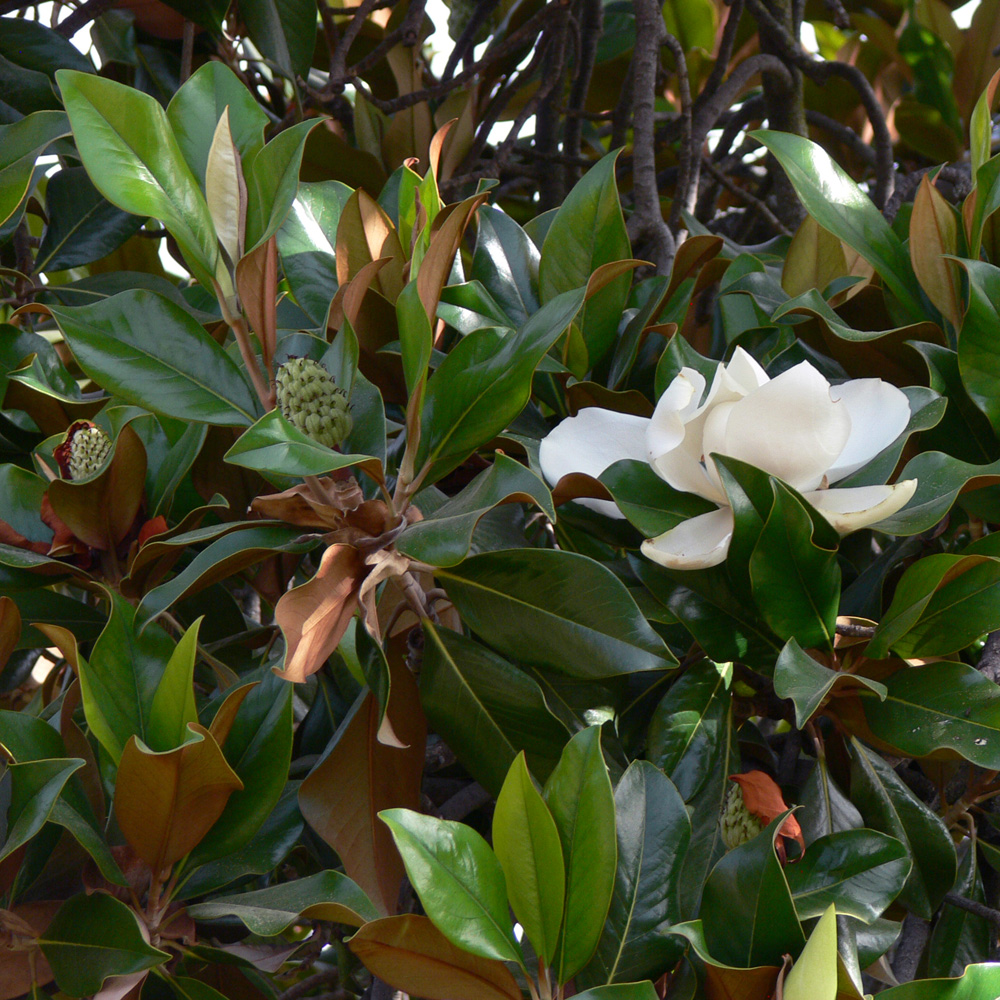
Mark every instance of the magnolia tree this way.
pixel 535 536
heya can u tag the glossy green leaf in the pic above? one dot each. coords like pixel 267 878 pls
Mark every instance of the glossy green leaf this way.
pixel 942 603
pixel 588 230
pixel 284 31
pixel 807 682
pixel 977 982
pixel 326 895
pixel 258 747
pixel 978 353
pixel 747 908
pixel 825 808
pixel 619 991
pixel 889 806
pixel 195 110
pixel 555 609
pixel 173 705
pixel 528 847
pixel 445 537
pixel 150 352
pixel 274 445
pixel 961 938
pixel 648 502
pixel 506 262
pixel 227 555
pixel 34 788
pixel 813 975
pixel 306 242
pixel 579 796
pixel 83 226
pixel 942 706
pixel 686 725
pixel 272 182
pixel 795 578
pixel 92 938
pixel 859 871
pixel 653 831
pixel 483 385
pixel 835 201
pixel 459 881
pixel 132 156
pixel 485 708
pixel 21 143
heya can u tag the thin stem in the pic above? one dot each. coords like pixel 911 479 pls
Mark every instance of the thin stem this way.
pixel 238 325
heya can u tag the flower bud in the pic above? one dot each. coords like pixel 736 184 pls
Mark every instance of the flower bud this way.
pixel 738 824
pixel 84 450
pixel 310 400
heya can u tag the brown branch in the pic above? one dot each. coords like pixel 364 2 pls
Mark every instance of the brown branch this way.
pixel 971 906
pixel 80 17
pixel 591 26
pixel 855 631
pixel 753 201
pixel 647 220
pixel 338 60
pixel 687 181
pixel 467 40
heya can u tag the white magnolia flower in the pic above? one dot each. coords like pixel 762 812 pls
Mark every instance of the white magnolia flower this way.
pixel 796 427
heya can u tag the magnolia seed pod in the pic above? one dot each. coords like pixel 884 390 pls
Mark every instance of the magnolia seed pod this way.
pixel 310 400
pixel 83 451
pixel 738 824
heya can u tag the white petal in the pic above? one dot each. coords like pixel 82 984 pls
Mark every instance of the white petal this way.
pixel 697 543
pixel 879 414
pixel 745 372
pixel 789 427
pixel 850 509
pixel 590 442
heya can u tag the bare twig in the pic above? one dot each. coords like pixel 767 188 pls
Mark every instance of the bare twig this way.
pixel 855 631
pixel 971 906
pixel 591 25
pixel 687 182
pixel 187 50
pixel 467 40
pixel 752 200
pixel 80 17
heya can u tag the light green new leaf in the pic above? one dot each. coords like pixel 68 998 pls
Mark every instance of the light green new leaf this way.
pixel 132 156
pixel 173 704
pixel 528 848
pixel 814 973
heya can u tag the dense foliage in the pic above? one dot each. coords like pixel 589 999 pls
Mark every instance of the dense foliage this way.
pixel 556 561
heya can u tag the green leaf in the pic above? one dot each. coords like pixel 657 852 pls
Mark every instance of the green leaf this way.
pixel 747 908
pixel 979 981
pixel 529 850
pixel 648 502
pixel 981 126
pixel 889 806
pixel 445 537
pixel 506 262
pixel 274 445
pixel 835 201
pixel 693 24
pixel 795 578
pixel 459 881
pixel 684 731
pixel 941 604
pixel 555 609
pixel 814 974
pixel 484 383
pixel 588 230
pixel 485 708
pixel 653 831
pixel 415 335
pixel 258 748
pixel 861 871
pixel 83 226
pixel 324 896
pixel 34 788
pixel 939 707
pixel 807 682
pixel 195 109
pixel 272 182
pixel 92 938
pixel 126 144
pixel 619 991
pixel 173 704
pixel 580 799
pixel 150 352
pixel 227 555
pixel 20 145
pixel 284 31
pixel 961 938
pixel 978 353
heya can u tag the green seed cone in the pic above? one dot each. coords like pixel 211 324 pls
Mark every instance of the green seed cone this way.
pixel 310 400
pixel 738 824
pixel 88 449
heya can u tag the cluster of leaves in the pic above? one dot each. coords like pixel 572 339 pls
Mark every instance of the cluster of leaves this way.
pixel 251 683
